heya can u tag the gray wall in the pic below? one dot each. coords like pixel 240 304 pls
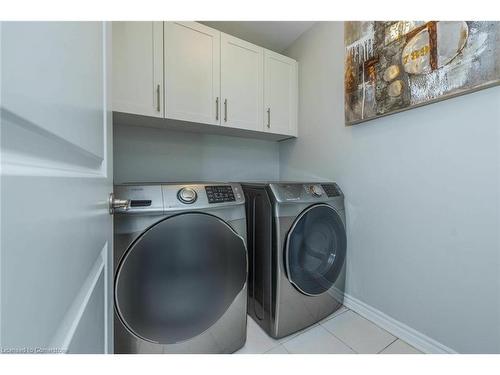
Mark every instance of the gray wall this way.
pixel 151 154
pixel 423 197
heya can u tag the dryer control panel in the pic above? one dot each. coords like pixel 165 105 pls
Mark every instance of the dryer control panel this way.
pixel 306 193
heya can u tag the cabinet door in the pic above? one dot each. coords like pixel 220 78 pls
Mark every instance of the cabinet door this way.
pixel 138 68
pixel 241 83
pixel 192 72
pixel 280 94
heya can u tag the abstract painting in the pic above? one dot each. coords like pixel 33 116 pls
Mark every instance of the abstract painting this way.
pixel 398 65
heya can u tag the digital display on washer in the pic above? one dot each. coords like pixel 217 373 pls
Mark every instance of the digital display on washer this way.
pixel 219 194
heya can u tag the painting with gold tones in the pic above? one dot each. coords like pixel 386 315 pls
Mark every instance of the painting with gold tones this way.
pixel 398 65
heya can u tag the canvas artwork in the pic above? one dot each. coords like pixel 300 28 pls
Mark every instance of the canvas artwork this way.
pixel 398 65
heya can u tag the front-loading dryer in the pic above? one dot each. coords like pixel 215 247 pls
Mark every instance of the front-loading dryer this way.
pixel 297 250
pixel 180 262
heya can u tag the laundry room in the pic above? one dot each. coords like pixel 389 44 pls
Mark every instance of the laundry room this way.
pixel 295 185
pixel 430 154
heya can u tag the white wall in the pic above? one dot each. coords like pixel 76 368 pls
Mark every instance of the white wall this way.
pixel 423 198
pixel 150 154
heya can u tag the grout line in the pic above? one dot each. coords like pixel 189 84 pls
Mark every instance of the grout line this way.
pixel 334 335
pixel 342 341
pixel 334 315
pixel 267 351
pixel 392 342
pixel 261 330
pixel 275 346
pixel 338 338
pixel 375 324
pixel 287 352
pixel 297 334
pixel 380 351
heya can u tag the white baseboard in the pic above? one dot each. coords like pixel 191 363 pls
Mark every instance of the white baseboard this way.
pixel 411 336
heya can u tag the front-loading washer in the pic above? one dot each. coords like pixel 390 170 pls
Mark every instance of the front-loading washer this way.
pixel 297 250
pixel 180 263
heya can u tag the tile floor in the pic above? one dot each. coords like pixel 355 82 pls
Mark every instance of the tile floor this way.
pixel 343 332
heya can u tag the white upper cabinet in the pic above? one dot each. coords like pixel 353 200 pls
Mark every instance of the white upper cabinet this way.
pixel 192 72
pixel 138 68
pixel 242 66
pixel 280 94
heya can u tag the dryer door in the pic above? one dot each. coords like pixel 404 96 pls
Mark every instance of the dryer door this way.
pixel 179 277
pixel 315 249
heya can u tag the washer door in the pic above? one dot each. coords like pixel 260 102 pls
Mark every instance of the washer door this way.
pixel 179 277
pixel 315 250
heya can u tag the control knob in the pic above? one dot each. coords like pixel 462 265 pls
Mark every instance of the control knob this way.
pixel 316 191
pixel 187 195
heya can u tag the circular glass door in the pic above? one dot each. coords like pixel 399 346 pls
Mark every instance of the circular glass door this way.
pixel 179 277
pixel 315 250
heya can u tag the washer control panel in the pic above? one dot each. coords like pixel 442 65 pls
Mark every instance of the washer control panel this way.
pixel 219 193
pixel 157 198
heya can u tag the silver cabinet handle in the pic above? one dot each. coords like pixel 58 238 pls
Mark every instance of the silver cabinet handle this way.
pixel 225 110
pixel 158 98
pixel 114 203
pixel 269 117
pixel 217 108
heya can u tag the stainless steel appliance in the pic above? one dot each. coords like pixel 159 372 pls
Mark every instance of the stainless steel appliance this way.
pixel 297 249
pixel 180 263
